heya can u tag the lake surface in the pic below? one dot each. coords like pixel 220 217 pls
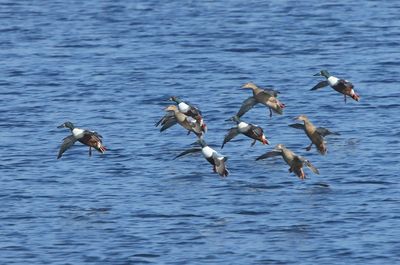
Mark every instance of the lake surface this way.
pixel 110 66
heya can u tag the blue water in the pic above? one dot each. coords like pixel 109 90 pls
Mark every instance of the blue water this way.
pixel 110 66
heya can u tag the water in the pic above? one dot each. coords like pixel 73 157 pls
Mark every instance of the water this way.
pixel 110 66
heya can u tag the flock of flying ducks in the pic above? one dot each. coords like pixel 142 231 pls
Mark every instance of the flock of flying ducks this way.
pixel 190 118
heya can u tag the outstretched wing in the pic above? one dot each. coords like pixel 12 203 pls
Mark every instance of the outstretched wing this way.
pixel 271 92
pixel 67 143
pixel 320 85
pixel 220 165
pixel 230 135
pixel 167 116
pixel 189 151
pixel 269 154
pixel 310 166
pixel 324 132
pixel 171 121
pixel 297 126
pixel 246 106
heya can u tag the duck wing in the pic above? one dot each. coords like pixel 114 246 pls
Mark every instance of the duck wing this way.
pixel 297 126
pixel 220 165
pixel 189 151
pixel 230 135
pixel 67 143
pixel 166 117
pixel 269 154
pixel 324 132
pixel 246 106
pixel 270 92
pixel 167 123
pixel 344 84
pixel 320 85
pixel 257 130
pixel 309 165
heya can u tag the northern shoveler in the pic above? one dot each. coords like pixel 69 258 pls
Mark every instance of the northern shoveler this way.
pixel 250 130
pixel 295 162
pixel 190 110
pixel 213 157
pixel 340 85
pixel 267 97
pixel 316 135
pixel 86 137
pixel 175 116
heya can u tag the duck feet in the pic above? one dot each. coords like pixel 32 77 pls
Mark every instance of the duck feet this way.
pixel 308 148
pixel 270 113
pixel 253 143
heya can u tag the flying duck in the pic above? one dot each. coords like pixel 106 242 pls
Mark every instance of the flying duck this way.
pixel 295 162
pixel 190 110
pixel 315 134
pixel 174 116
pixel 340 85
pixel 213 157
pixel 267 97
pixel 250 130
pixel 89 138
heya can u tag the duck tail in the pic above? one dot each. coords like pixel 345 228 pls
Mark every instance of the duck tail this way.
pixel 354 95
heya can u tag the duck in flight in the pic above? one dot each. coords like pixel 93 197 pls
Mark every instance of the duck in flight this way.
pixel 174 116
pixel 250 130
pixel 340 85
pixel 294 161
pixel 86 137
pixel 315 134
pixel 217 160
pixel 267 97
pixel 190 111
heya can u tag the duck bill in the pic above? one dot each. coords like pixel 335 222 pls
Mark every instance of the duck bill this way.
pixel 61 126
pixel 317 74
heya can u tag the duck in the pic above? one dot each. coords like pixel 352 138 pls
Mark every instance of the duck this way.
pixel 294 161
pixel 340 85
pixel 190 110
pixel 217 160
pixel 315 134
pixel 250 130
pixel 174 116
pixel 267 97
pixel 86 137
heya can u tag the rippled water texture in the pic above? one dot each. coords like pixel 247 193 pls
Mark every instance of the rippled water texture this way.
pixel 110 66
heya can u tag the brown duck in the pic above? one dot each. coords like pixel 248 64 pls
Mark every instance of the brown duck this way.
pixel 295 162
pixel 267 97
pixel 174 116
pixel 316 134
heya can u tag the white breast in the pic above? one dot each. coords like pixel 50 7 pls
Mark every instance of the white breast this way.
pixel 78 133
pixel 183 107
pixel 332 80
pixel 207 151
pixel 242 126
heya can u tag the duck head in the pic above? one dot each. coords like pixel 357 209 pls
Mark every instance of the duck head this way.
pixel 249 85
pixel 171 108
pixel 279 147
pixel 302 117
pixel 67 124
pixel 176 99
pixel 323 73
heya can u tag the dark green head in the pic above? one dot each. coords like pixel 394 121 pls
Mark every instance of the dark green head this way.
pixel 323 73
pixel 176 99
pixel 67 124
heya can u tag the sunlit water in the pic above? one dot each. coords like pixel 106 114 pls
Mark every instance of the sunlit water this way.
pixel 110 66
